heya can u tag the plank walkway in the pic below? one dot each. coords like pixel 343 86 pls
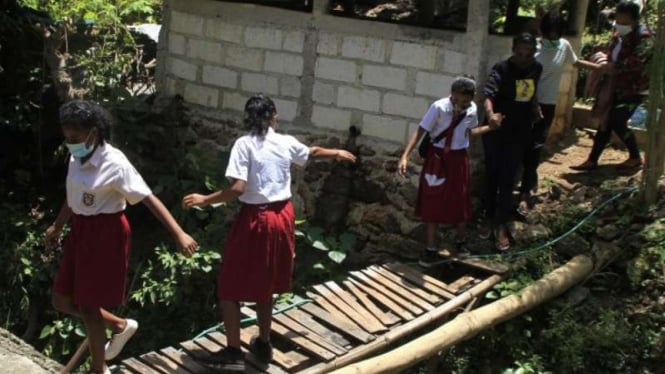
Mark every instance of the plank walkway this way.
pixel 343 323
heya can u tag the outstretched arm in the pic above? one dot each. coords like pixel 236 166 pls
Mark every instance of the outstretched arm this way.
pixel 337 154
pixel 185 242
pixel 237 188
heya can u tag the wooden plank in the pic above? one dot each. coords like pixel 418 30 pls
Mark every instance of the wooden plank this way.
pixel 488 266
pixel 348 328
pixel 162 364
pixel 422 280
pixel 279 357
pixel 430 297
pixel 332 309
pixel 396 288
pixel 307 320
pixel 210 347
pixel 309 334
pixel 138 366
pixel 184 360
pixel 385 318
pixel 120 370
pixel 386 292
pixel 303 342
pixel 403 313
pixel 462 283
pixel 350 312
pixel 350 301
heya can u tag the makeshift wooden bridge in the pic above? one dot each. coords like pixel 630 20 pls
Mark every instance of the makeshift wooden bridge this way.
pixel 344 322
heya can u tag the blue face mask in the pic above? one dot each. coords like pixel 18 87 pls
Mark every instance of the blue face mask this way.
pixel 80 150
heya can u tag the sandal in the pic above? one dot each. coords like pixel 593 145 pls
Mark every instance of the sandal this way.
pixel 461 249
pixel 631 163
pixel 523 209
pixel 485 232
pixel 501 242
pixel 585 166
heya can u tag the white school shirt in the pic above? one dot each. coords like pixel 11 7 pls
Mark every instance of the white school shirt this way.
pixel 264 162
pixel 438 118
pixel 104 184
pixel 554 61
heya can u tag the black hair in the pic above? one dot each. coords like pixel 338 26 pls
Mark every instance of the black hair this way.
pixel 259 111
pixel 551 23
pixel 464 85
pixel 524 38
pixel 630 8
pixel 86 115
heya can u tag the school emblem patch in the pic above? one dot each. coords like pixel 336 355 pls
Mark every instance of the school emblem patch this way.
pixel 88 199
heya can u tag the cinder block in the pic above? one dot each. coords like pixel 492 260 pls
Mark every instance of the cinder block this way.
pixel 186 23
pixel 386 77
pixel 294 41
pixel 434 85
pixel 287 109
pixel 290 86
pixel 254 83
pixel 455 63
pixel 218 76
pixel 384 127
pixel 220 30
pixel 182 69
pixel 331 118
pixel 328 44
pixel 262 37
pixel 284 63
pixel 204 50
pixel 240 57
pixel 357 98
pixel 364 48
pixel 405 106
pixel 335 69
pixel 234 101
pixel 415 55
pixel 201 95
pixel 177 44
pixel 324 93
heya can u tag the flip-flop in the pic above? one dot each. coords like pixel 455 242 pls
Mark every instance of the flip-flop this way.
pixel 501 247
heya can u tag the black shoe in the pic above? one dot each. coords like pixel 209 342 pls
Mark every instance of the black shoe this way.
pixel 428 258
pixel 228 360
pixel 261 349
pixel 461 249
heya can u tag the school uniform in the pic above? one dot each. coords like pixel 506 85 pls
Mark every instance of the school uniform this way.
pixel 260 248
pixel 443 192
pixel 93 269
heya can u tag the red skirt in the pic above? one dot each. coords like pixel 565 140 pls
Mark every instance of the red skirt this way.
pixel 443 192
pixel 93 268
pixel 259 253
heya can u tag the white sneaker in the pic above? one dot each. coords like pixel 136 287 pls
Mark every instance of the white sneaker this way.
pixel 118 341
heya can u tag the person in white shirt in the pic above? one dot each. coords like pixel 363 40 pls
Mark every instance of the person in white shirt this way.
pixel 92 272
pixel 260 248
pixel 443 191
pixel 554 54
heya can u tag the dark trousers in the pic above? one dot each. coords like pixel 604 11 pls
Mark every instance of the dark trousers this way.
pixel 617 121
pixel 502 160
pixel 533 150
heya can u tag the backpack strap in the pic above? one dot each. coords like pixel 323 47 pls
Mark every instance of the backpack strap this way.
pixel 453 124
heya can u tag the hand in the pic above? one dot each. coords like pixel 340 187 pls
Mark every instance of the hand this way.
pixel 401 166
pixel 446 149
pixel 539 113
pixel 52 236
pixel 187 244
pixel 193 200
pixel 495 120
pixel 344 155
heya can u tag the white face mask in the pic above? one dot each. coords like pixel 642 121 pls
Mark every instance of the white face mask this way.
pixel 623 29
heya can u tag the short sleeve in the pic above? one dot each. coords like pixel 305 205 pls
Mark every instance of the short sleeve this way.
pixel 299 152
pixel 493 84
pixel 472 116
pixel 571 57
pixel 238 167
pixel 430 118
pixel 131 185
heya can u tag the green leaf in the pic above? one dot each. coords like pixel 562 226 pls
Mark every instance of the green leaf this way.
pixel 300 221
pixel 318 266
pixel 337 256
pixel 320 245
pixel 46 331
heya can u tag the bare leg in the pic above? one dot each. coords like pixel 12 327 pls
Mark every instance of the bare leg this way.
pixel 231 317
pixel 65 304
pixel 264 314
pixel 94 324
pixel 459 231
pixel 431 235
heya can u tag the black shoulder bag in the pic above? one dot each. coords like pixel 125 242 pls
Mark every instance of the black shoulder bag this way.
pixel 427 142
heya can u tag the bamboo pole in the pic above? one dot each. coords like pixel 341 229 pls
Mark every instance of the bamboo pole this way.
pixel 408 328
pixel 71 364
pixel 655 152
pixel 467 325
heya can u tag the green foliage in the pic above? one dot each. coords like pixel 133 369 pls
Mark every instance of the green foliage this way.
pixel 99 11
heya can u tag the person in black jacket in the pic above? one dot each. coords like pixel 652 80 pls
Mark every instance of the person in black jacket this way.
pixel 510 101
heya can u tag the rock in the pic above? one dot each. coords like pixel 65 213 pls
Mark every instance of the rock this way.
pixel 18 357
pixel 523 232
pixel 555 192
pixel 572 245
pixel 366 151
pixel 577 295
pixel 607 232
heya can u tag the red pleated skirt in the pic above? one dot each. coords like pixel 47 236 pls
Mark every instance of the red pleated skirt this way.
pixel 93 268
pixel 258 255
pixel 443 192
